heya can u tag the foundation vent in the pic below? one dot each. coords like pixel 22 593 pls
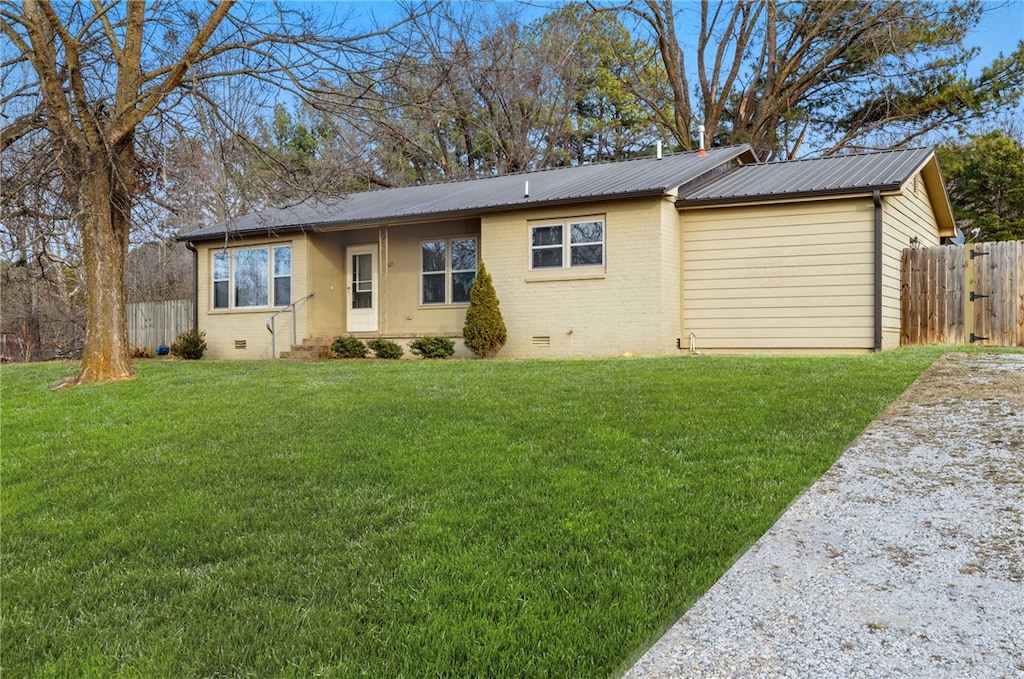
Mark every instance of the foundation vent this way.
pixel 239 344
pixel 542 341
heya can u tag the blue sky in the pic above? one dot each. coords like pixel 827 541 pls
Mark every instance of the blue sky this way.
pixel 1000 30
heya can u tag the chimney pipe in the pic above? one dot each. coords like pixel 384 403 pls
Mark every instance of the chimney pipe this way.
pixel 659 150
pixel 700 131
pixel 526 189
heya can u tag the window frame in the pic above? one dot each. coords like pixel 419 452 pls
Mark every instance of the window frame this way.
pixel 225 280
pixel 567 245
pixel 449 271
pixel 273 277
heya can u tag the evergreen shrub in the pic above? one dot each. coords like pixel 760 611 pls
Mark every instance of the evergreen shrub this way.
pixel 349 347
pixel 484 332
pixel 383 348
pixel 190 345
pixel 432 347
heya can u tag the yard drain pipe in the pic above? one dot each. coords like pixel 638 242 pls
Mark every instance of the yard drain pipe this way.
pixel 195 285
pixel 876 196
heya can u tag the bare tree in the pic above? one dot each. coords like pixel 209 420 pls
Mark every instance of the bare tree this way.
pixel 41 275
pixel 87 79
pixel 850 75
pixel 461 94
pixel 469 91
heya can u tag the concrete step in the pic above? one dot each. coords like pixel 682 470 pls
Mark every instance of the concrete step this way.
pixel 304 352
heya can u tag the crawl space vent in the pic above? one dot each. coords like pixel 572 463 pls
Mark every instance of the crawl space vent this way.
pixel 239 344
pixel 542 341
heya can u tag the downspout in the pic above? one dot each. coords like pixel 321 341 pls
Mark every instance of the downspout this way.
pixel 876 196
pixel 383 247
pixel 195 285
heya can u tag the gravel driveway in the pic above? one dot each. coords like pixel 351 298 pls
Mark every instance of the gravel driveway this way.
pixel 906 559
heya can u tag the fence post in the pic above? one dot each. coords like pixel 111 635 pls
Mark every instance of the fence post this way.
pixel 968 288
pixel 905 302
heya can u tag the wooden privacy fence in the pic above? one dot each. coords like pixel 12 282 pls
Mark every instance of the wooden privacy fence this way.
pixel 152 324
pixel 963 294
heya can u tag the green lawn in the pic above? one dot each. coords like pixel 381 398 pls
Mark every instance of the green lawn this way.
pixel 399 519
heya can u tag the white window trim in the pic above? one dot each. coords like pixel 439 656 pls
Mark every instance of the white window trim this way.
pixel 567 244
pixel 449 286
pixel 271 277
pixel 274 276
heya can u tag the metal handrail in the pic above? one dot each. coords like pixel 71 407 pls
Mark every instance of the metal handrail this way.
pixel 270 324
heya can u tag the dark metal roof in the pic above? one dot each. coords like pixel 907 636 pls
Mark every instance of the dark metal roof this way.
pixel 605 181
pixel 835 175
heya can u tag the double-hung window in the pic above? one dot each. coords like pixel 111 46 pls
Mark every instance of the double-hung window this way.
pixel 252 278
pixel 571 244
pixel 448 269
pixel 282 275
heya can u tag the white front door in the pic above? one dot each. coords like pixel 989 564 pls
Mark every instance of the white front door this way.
pixel 362 289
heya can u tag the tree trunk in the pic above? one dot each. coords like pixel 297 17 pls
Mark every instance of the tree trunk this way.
pixel 104 205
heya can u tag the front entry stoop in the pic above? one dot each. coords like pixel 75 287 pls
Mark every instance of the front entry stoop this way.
pixel 311 349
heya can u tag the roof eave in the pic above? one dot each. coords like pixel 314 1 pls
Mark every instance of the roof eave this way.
pixel 790 196
pixel 938 197
pixel 422 217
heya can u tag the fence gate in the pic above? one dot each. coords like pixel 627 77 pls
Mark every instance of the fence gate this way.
pixel 963 294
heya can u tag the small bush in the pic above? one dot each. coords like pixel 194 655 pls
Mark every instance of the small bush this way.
pixel 484 332
pixel 141 352
pixel 383 348
pixel 349 347
pixel 190 345
pixel 432 347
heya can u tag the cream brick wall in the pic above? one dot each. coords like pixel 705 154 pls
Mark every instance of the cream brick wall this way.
pixel 402 314
pixel 319 266
pixel 226 327
pixel 325 311
pixel 628 305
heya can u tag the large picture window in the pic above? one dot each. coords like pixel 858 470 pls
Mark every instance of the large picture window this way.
pixel 448 269
pixel 557 246
pixel 251 278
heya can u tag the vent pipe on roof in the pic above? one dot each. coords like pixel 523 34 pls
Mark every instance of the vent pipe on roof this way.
pixel 526 189
pixel 700 132
pixel 658 151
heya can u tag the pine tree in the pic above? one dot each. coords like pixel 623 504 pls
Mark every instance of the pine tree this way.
pixel 484 332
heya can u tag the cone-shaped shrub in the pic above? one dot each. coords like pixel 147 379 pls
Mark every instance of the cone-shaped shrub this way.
pixel 484 332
